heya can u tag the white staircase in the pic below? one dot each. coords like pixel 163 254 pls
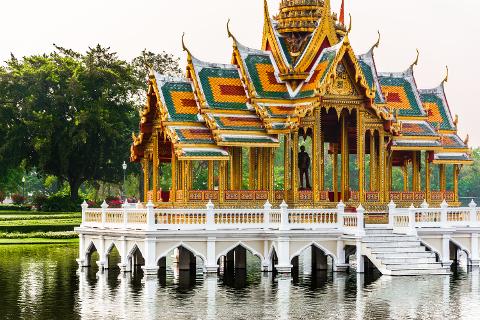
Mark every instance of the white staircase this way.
pixel 399 255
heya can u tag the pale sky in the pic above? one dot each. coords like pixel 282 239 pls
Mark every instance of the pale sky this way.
pixel 445 31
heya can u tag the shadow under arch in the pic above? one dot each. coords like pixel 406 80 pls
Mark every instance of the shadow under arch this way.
pixel 112 257
pixel 317 261
pixel 135 258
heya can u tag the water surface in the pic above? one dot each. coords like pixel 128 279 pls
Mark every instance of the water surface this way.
pixel 44 282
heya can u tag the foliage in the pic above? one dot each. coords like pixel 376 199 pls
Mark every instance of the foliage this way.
pixel 114 202
pixel 2 196
pixel 61 203
pixel 39 200
pixel 18 199
pixel 41 235
pixel 14 208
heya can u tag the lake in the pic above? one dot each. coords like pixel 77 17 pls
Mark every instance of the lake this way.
pixel 44 282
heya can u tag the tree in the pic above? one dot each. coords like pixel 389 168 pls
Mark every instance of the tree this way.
pixel 69 114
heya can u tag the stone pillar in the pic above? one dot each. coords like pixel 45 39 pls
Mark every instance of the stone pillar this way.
pixel 211 263
pixel 474 255
pixel 150 267
pixel 222 183
pixel 319 260
pixel 102 262
pixel 360 258
pixel 240 257
pixel 339 264
pixel 186 260
pixel 284 265
pixel 295 172
pixel 446 262
pixel 266 263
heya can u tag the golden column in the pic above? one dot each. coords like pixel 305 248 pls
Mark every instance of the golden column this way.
pixel 251 169
pixel 456 172
pixel 222 179
pixel 155 167
pixel 287 164
pixel 443 178
pixel 266 168
pixel 427 177
pixel 373 165
pixel 173 188
pixel 211 173
pixel 405 176
pixel 146 178
pixel 335 172
pixel 414 171
pixel 316 156
pixel 345 177
pixel 259 161
pixel 381 166
pixel 271 174
pixel 295 173
pixel 361 156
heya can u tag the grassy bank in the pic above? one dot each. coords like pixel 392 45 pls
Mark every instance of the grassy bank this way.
pixel 38 227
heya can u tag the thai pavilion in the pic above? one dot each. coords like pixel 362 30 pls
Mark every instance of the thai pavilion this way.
pixel 243 124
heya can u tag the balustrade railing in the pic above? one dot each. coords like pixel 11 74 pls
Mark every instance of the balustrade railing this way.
pixel 211 218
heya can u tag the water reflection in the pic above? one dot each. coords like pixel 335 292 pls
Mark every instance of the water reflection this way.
pixel 43 282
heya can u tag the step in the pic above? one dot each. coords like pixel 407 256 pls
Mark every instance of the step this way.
pixel 398 249
pixel 420 272
pixel 378 231
pixel 391 237
pixel 407 260
pixel 415 266
pixel 391 244
pixel 401 255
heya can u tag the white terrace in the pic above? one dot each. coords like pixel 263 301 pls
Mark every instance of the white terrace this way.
pixel 415 241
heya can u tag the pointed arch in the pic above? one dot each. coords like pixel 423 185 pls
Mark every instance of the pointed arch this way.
pixel 318 246
pixel 181 244
pixel 243 245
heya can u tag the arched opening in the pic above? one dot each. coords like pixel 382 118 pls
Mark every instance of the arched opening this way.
pixel 92 256
pixel 135 260
pixel 113 258
pixel 351 260
pixel 458 256
pixel 310 260
pixel 239 267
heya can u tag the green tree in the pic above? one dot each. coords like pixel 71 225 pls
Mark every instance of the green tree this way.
pixel 69 114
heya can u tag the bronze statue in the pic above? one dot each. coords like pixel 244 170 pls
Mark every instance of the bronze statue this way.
pixel 303 166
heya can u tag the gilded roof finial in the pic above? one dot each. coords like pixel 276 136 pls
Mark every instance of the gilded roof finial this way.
pixel 455 121
pixel 377 44
pixel 350 24
pixel 446 76
pixel 185 47
pixel 415 63
pixel 466 140
pixel 230 35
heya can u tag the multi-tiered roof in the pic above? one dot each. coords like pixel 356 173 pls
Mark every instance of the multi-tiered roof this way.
pixel 265 92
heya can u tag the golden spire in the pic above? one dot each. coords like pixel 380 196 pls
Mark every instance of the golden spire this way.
pixel 446 76
pixel 299 15
pixel 415 63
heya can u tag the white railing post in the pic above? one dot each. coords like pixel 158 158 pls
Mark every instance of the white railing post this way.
pixel 391 213
pixel 104 213
pixel 284 225
pixel 360 220
pixel 210 223
pixel 267 209
pixel 473 213
pixel 444 214
pixel 411 220
pixel 341 214
pixel 424 205
pixel 150 216
pixel 84 209
pixel 125 213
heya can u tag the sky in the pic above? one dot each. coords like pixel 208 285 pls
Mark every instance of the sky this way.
pixel 446 32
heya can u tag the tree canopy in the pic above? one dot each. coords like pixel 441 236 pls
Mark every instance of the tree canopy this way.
pixel 71 114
